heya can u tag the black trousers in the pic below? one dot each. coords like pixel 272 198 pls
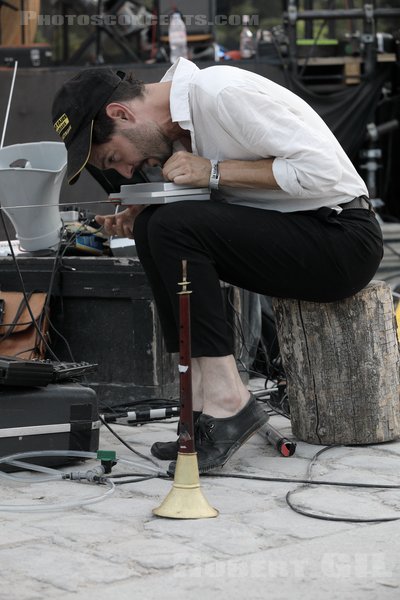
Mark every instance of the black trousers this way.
pixel 311 255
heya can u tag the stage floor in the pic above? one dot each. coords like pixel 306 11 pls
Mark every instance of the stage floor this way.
pixel 256 548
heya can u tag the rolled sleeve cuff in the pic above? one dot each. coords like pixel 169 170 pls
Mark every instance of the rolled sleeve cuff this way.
pixel 286 177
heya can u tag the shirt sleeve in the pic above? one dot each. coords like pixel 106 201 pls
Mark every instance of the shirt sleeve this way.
pixel 306 162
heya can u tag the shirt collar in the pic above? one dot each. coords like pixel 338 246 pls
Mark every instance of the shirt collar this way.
pixel 181 73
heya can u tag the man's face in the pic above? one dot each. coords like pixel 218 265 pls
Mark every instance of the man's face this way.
pixel 132 147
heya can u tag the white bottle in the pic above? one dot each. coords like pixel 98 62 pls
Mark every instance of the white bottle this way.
pixel 247 46
pixel 177 37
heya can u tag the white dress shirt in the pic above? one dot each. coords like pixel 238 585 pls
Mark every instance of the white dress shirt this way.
pixel 232 113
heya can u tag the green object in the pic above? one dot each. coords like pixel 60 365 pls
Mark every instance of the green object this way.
pixel 106 455
pixel 108 459
pixel 319 42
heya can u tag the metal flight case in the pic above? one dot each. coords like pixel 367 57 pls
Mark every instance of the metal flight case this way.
pixel 55 417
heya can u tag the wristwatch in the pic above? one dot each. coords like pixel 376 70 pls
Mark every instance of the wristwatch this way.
pixel 214 175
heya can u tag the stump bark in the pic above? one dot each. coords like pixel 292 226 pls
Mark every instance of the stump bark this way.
pixel 341 361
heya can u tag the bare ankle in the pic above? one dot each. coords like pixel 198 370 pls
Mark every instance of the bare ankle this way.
pixel 227 407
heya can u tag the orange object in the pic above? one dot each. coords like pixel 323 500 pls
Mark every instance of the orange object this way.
pixel 10 23
pixel 233 54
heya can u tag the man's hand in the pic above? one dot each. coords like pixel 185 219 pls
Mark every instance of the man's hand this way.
pixel 186 168
pixel 120 224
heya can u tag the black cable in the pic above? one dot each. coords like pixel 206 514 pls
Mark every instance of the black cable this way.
pixel 305 64
pixel 154 402
pixel 135 480
pixel 307 483
pixel 52 278
pixel 388 167
pixel 35 324
pixel 268 378
pixel 58 264
pixel 270 366
pixel 304 481
pixel 115 434
pixel 322 517
pixel 46 310
pixel 283 63
pixel 139 477
pixel 73 236
pixel 64 339
pixel 122 475
pixel 272 370
pixel 237 328
pixel 279 411
pixel 160 421
pixel 332 517
pixel 253 372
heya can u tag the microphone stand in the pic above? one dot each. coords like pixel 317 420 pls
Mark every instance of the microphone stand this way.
pixel 160 54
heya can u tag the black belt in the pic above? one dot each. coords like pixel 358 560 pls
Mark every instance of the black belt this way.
pixel 359 202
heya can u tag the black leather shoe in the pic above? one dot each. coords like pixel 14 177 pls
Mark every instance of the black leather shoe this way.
pixel 217 439
pixel 165 450
pixel 169 450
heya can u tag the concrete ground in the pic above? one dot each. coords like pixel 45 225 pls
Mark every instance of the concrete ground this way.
pixel 258 547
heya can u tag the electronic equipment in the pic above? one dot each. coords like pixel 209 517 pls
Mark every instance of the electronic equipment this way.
pixel 68 371
pixel 34 55
pixel 158 193
pixel 282 444
pixel 31 373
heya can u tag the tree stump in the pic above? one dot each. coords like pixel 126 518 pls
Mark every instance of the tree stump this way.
pixel 341 361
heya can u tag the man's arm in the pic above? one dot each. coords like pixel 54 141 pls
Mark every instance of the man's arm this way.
pixel 186 168
pixel 304 153
pixel 248 173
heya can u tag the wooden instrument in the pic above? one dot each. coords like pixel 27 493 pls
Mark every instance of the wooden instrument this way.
pixel 185 500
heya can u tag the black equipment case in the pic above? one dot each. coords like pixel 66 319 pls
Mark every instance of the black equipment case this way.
pixel 56 417
pixel 35 55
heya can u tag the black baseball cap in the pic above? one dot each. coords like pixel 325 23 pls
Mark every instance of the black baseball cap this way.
pixel 74 110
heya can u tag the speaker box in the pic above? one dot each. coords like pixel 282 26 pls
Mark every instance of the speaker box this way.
pixel 198 15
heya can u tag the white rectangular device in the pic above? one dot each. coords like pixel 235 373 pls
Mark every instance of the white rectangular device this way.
pixel 158 193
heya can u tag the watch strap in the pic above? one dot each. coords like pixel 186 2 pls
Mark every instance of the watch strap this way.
pixel 214 175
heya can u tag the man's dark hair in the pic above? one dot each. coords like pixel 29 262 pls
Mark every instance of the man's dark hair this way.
pixel 104 126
